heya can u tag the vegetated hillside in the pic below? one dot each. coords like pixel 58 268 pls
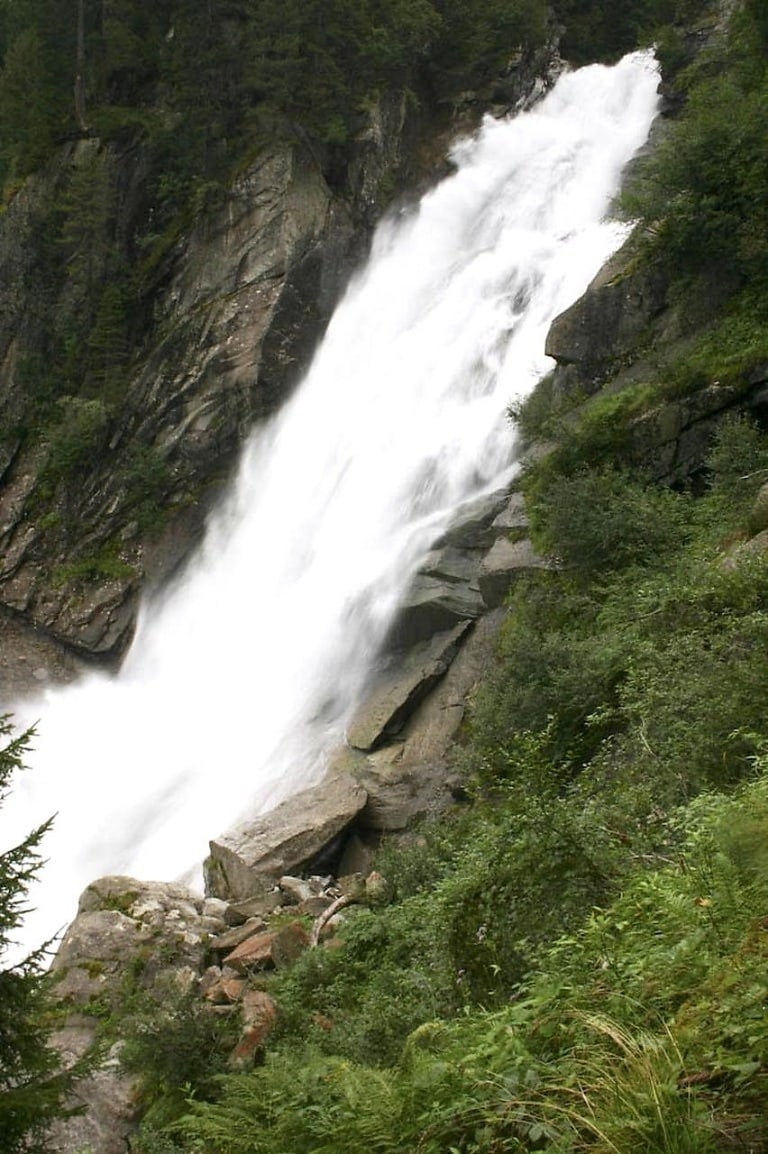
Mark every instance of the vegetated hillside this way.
pixel 576 960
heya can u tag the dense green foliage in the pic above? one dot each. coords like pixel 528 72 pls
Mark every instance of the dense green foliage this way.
pixel 32 1082
pixel 606 29
pixel 575 961
pixel 705 190
pixel 198 78
pixel 617 1044
pixel 193 76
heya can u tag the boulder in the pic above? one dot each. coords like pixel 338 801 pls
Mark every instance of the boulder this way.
pixel 433 605
pixel 258 1007
pixel 156 933
pixel 215 908
pixel 158 928
pixel 233 937
pixel 412 777
pixel 391 787
pixel 106 1101
pixel 314 906
pixel 387 708
pixel 451 565
pixel 503 564
pixel 98 937
pixel 250 859
pixel 259 906
pixel 254 953
pixel 513 518
pixel 140 900
pixel 273 948
pixel 612 316
pixel 290 942
pixel 296 890
pixel 471 526
pixel 259 1017
pixel 223 990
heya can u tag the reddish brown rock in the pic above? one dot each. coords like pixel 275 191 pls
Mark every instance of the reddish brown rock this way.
pixel 259 1016
pixel 255 951
pixel 259 1009
pixel 291 941
pixel 225 991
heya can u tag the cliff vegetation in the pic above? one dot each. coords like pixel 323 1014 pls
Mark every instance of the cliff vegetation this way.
pixel 573 959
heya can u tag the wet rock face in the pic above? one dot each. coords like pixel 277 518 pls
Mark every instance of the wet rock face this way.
pixel 244 299
pixel 616 313
pixel 401 689
pixel 396 764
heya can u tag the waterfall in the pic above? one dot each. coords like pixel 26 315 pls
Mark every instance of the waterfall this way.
pixel 243 674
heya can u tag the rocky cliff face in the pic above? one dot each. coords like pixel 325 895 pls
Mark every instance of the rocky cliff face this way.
pixel 243 299
pixel 99 499
pixel 618 336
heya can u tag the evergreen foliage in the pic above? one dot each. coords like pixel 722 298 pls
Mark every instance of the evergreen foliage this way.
pixel 32 1082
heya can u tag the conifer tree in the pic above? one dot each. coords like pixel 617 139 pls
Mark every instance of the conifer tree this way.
pixel 32 1082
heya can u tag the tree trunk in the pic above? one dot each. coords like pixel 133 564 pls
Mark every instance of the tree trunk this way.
pixel 80 70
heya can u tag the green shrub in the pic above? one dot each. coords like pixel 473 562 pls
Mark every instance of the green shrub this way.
pixel 76 436
pixel 175 1042
pixel 104 565
pixel 599 522
pixel 704 193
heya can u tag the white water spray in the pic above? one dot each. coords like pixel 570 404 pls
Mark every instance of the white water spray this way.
pixel 242 676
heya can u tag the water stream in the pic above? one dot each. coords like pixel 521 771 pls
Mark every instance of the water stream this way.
pixel 243 674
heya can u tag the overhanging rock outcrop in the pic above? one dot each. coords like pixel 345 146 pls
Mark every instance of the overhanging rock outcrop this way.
pixel 257 853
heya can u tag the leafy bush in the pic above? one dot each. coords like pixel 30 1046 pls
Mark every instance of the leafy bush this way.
pixel 176 1043
pixel 704 195
pixel 601 30
pixel 546 1071
pixel 76 435
pixel 601 522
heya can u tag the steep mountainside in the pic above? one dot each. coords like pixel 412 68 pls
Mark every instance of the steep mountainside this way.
pixel 573 957
pixel 157 303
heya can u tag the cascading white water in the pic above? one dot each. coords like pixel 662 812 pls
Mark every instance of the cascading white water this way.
pixel 242 675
